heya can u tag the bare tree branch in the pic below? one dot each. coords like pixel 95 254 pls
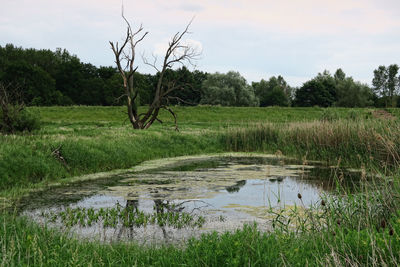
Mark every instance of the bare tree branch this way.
pixel 178 52
pixel 174 115
pixel 151 64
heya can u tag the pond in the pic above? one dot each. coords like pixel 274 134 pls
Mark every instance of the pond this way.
pixel 175 199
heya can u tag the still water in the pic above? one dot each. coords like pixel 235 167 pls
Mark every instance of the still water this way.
pixel 224 191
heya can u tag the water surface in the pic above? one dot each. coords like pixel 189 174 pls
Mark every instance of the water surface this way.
pixel 226 191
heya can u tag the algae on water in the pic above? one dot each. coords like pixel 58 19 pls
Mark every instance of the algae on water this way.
pixel 226 191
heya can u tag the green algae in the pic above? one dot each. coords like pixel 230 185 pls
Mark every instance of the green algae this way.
pixel 229 190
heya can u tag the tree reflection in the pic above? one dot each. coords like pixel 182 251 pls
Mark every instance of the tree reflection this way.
pixel 133 204
pixel 236 187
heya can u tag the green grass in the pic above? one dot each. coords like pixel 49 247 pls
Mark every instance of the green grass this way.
pixel 206 116
pixel 94 139
pixel 25 243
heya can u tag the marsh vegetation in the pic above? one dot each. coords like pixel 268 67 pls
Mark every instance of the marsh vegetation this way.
pixel 358 226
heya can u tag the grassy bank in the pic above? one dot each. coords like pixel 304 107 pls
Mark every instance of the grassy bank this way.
pixel 207 116
pixel 94 139
pixel 29 159
pixel 24 243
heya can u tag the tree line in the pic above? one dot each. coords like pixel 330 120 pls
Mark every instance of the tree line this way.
pixel 59 78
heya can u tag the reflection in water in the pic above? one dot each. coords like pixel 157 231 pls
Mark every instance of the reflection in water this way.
pixel 240 190
pixel 159 206
pixel 236 187
pixel 329 178
pixel 132 204
pixel 164 211
pixel 276 179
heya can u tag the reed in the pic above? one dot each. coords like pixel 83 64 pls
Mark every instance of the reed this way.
pixel 354 143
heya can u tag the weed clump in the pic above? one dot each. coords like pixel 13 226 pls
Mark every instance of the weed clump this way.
pixel 13 115
pixel 17 119
pixel 129 216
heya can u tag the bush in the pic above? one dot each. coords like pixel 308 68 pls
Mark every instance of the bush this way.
pixel 18 119
pixel 13 115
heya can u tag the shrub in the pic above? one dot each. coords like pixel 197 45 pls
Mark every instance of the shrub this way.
pixel 13 115
pixel 18 120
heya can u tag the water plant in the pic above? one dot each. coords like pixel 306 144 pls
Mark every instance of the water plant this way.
pixel 128 216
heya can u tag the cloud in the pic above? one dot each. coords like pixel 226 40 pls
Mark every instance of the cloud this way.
pixel 294 38
pixel 192 7
pixel 306 16
pixel 160 48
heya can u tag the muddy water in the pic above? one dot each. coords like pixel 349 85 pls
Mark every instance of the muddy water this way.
pixel 227 191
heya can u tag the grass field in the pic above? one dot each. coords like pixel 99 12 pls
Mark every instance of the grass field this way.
pixel 95 139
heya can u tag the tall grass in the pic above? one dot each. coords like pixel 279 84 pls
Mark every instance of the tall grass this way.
pixel 355 143
pixel 360 229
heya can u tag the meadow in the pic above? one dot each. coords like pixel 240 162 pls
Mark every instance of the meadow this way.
pixel 79 140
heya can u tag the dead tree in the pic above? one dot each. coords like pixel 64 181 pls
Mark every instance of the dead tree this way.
pixel 178 52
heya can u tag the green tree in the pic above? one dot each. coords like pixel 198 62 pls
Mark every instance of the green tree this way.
pixel 190 84
pixel 230 89
pixel 320 91
pixel 386 83
pixel 37 72
pixel 392 83
pixel 37 85
pixel 146 85
pixel 350 93
pixel 353 94
pixel 339 75
pixel 274 92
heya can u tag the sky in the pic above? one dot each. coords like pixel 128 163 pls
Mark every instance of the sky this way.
pixel 258 38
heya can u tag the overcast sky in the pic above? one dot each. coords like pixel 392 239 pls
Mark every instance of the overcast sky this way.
pixel 259 38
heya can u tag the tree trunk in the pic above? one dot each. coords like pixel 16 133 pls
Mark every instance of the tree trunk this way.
pixel 177 52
